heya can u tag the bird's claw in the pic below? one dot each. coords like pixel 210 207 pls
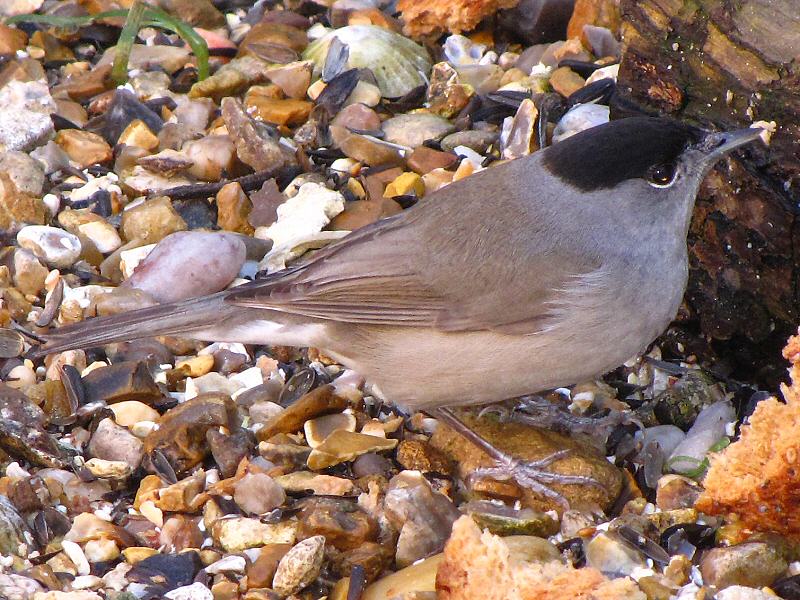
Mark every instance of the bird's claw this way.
pixel 533 475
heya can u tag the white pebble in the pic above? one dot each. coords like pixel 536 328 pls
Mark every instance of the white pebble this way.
pixel 55 246
pixel 76 555
pixel 196 591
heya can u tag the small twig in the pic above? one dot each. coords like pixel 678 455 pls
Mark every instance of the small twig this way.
pixel 205 190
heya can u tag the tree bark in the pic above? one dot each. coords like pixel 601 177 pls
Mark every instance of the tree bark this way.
pixel 724 64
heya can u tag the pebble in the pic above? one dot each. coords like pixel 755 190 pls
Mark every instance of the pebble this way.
pixel 101 550
pixel 369 150
pixel 108 469
pixel 111 442
pixel 423 517
pixel 565 81
pixel 318 429
pixel 460 50
pixel 518 137
pixel 357 116
pixel 300 566
pixel 342 446
pixel 83 147
pixel 151 221
pixel 12 528
pixel 233 209
pixel 26 172
pixel 262 570
pixel 18 208
pixel 189 264
pixel 258 493
pixel 181 435
pixel 280 111
pixel 412 129
pixel 293 78
pixel 54 246
pixel 102 234
pixel 611 556
pixel 129 412
pixel 241 533
pixel 321 485
pixel 25 119
pixel 475 139
pixel 12 40
pixel 120 382
pixel 578 118
pixel 254 146
pixel 211 156
pixel 365 93
pixel 709 427
pixel 28 273
pixel 405 184
pixel 76 555
pixel 751 564
pixel 228 564
pixel 195 591
pixel 343 525
pixel 424 160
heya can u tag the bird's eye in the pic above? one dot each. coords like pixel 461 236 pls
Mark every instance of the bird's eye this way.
pixel 661 175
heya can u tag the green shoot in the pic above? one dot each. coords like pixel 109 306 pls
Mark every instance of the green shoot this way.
pixel 150 17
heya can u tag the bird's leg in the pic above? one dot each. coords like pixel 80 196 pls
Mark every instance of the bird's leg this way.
pixel 529 474
pixel 540 412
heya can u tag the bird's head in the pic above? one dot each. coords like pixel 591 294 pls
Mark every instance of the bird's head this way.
pixel 649 162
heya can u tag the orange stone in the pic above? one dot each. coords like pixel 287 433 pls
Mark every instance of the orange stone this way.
pixel 280 111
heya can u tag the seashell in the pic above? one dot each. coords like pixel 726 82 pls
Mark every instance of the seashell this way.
pixel 399 65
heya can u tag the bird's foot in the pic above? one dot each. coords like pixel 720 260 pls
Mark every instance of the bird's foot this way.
pixel 534 475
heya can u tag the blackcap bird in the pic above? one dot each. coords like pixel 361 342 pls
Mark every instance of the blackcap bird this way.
pixel 534 274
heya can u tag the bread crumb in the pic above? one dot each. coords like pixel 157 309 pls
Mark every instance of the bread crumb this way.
pixel 758 476
pixel 424 17
pixel 481 566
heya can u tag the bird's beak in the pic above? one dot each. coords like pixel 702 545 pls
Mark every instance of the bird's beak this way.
pixel 716 145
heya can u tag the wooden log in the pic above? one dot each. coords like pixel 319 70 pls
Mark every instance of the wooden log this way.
pixel 725 64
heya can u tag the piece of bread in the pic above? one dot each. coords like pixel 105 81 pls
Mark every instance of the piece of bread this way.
pixel 481 566
pixel 758 476
pixel 424 17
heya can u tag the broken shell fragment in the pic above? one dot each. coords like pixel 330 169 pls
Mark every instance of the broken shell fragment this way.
pixel 399 65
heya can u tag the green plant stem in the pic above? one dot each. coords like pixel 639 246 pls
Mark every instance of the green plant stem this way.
pixel 151 17
pixel 133 22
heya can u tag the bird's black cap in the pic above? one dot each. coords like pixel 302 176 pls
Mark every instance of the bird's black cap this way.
pixel 604 156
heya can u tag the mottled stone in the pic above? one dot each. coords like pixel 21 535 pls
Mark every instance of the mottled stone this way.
pixel 300 566
pixel 318 402
pixel 151 221
pixel 254 146
pixel 343 524
pixel 240 533
pixel 752 564
pixel 52 245
pixel 423 517
pixel 83 147
pixel 412 129
pixel 342 446
pixel 114 443
pixel 258 493
pixel 182 432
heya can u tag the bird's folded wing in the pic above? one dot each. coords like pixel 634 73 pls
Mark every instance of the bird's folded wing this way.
pixel 384 275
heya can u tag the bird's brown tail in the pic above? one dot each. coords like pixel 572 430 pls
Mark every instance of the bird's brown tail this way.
pixel 175 318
